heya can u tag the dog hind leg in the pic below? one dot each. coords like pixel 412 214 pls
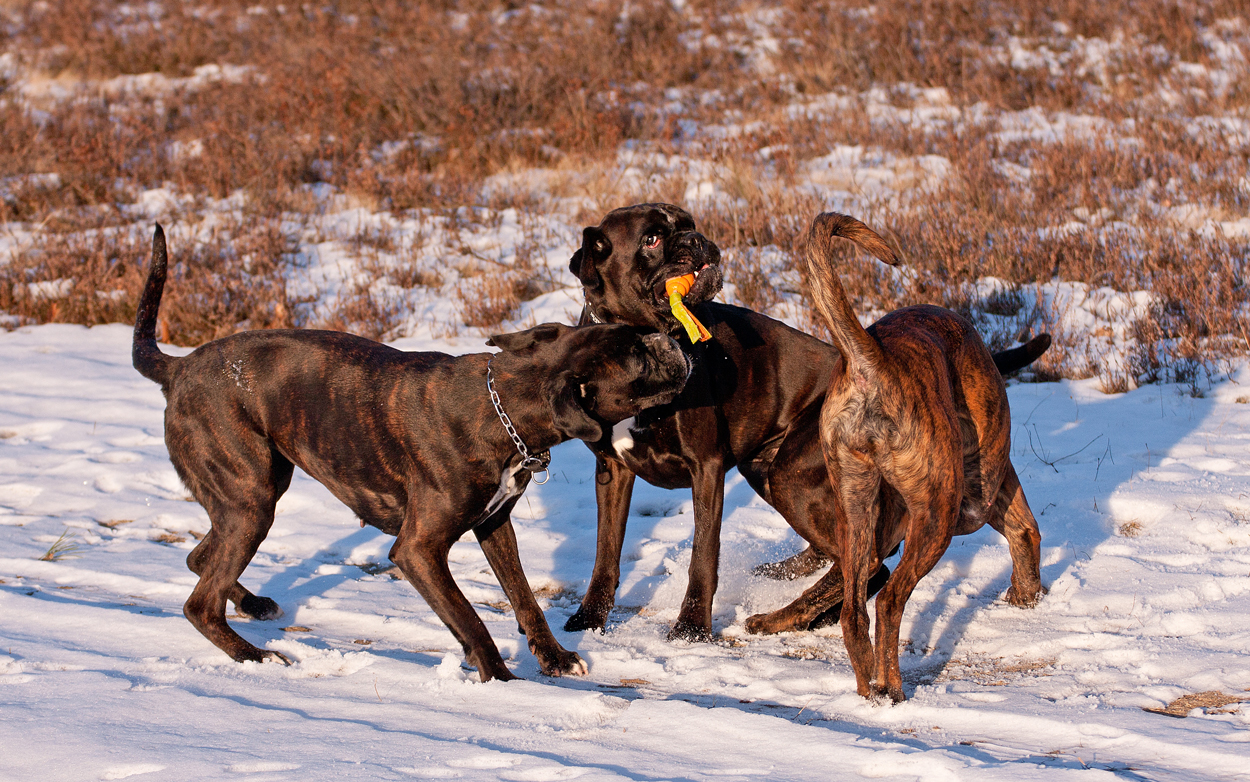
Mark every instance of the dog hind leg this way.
pixel 241 510
pixel 800 614
pixel 1012 517
pixel 932 514
pixel 220 565
pixel 246 604
pixel 270 475
pixel 858 503
pixel 804 563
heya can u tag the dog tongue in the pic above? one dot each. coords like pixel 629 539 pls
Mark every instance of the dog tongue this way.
pixel 676 288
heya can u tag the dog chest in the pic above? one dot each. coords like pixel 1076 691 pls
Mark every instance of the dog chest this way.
pixel 622 437
pixel 511 485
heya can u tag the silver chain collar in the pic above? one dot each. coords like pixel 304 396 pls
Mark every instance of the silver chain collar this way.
pixel 536 463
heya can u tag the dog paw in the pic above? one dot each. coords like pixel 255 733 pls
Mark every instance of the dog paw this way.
pixel 758 624
pixel 564 663
pixel 685 631
pixel 586 619
pixel 270 656
pixel 882 695
pixel 1026 598
pixel 262 608
pixel 771 624
pixel 498 674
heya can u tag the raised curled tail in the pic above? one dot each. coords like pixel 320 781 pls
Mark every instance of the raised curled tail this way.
pixel 861 351
pixel 147 357
pixel 1009 361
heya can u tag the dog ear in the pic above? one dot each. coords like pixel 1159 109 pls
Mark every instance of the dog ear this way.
pixel 567 413
pixel 525 340
pixel 582 263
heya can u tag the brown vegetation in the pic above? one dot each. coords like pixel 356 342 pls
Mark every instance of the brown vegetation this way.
pixel 411 108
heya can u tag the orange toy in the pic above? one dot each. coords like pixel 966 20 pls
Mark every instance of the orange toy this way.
pixel 676 288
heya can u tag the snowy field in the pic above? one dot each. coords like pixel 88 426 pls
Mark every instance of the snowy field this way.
pixel 1133 667
pixel 1143 500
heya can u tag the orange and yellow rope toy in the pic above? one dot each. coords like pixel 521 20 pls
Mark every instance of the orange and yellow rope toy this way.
pixel 676 288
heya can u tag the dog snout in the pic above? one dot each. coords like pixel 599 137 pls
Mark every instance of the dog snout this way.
pixel 672 360
pixel 686 252
pixel 693 245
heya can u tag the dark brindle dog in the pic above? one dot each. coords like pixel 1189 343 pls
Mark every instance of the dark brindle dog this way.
pixel 752 401
pixel 409 441
pixel 916 434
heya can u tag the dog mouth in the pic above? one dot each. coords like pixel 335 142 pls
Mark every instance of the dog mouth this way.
pixel 687 254
pixel 707 283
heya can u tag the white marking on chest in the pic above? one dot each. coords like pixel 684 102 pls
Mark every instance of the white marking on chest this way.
pixel 509 487
pixel 622 437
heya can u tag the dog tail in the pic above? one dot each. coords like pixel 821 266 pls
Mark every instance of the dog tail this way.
pixel 147 357
pixel 861 351
pixel 1009 361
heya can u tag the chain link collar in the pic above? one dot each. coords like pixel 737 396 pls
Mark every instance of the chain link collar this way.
pixel 536 463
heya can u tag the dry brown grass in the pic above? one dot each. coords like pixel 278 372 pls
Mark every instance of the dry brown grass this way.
pixel 1210 701
pixel 410 107
pixel 992 671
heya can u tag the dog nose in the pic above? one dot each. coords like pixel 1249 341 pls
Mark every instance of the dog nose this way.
pixel 659 343
pixel 671 357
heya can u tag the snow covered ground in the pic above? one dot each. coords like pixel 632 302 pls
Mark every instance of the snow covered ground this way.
pixel 1143 500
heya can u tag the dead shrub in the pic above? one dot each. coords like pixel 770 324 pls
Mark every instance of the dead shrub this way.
pixel 488 300
pixel 410 107
pixel 233 280
pixel 88 277
pixel 365 311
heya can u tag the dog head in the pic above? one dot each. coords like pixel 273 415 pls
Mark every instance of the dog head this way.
pixel 624 261
pixel 599 375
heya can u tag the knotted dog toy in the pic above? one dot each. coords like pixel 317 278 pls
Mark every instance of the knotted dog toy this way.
pixel 676 288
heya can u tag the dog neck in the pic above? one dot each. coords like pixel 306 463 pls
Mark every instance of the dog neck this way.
pixel 534 462
pixel 513 381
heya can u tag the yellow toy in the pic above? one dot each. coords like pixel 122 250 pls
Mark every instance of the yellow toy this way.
pixel 676 288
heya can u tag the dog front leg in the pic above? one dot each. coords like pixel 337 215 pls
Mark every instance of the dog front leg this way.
pixel 498 541
pixel 614 485
pixel 421 553
pixel 694 623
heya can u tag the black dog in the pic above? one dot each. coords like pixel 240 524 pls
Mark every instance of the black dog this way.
pixel 753 401
pixel 414 443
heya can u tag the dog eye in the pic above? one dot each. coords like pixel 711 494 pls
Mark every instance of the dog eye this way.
pixel 651 240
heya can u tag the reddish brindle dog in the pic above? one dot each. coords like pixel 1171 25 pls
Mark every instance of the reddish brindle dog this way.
pixel 916 434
